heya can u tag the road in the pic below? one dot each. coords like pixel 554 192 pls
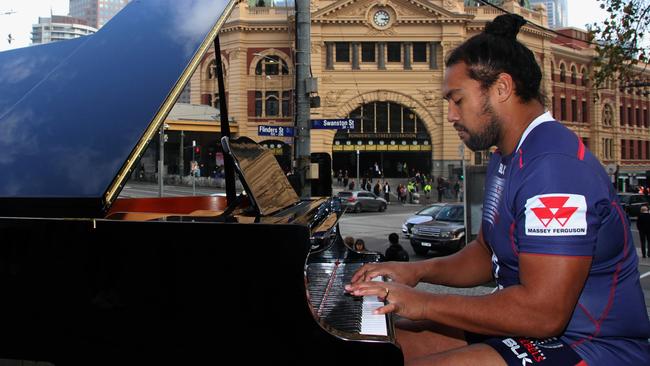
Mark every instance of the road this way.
pixel 374 227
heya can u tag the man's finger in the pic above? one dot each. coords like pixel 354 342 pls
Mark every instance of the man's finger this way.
pixel 366 289
pixel 359 275
pixel 390 308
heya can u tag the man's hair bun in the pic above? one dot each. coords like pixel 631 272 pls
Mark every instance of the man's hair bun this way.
pixel 506 26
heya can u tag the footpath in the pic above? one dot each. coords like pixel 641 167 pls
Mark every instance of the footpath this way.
pixel 422 200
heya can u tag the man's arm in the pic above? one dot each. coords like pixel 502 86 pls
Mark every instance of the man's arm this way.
pixel 539 307
pixel 471 266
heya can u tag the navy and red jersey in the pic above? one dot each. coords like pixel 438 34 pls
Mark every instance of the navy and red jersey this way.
pixel 551 196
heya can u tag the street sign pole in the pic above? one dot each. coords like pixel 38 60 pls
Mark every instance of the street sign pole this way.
pixel 358 170
pixel 193 171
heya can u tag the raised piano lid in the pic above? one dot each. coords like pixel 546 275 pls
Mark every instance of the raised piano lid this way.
pixel 76 118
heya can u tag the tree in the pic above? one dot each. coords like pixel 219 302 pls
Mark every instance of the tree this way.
pixel 621 40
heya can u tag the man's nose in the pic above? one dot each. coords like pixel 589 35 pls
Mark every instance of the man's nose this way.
pixel 452 113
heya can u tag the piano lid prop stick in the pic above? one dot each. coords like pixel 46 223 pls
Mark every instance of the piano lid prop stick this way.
pixel 228 164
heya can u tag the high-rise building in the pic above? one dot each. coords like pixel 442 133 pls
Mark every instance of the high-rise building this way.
pixel 96 12
pixel 59 28
pixel 557 11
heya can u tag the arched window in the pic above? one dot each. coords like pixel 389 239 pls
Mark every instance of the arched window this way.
pixel 386 117
pixel 552 71
pixel 271 65
pixel 574 75
pixel 562 73
pixel 585 77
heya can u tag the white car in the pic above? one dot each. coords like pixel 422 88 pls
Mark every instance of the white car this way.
pixel 426 214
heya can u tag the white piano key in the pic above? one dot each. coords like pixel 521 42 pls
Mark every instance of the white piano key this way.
pixel 373 324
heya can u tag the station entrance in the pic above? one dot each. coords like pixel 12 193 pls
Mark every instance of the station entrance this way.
pixel 388 134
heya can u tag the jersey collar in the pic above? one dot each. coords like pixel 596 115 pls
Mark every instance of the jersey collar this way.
pixel 544 117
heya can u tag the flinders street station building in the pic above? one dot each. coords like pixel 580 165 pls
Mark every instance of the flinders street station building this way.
pixel 381 63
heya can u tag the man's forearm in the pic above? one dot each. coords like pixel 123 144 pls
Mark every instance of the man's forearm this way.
pixel 505 312
pixel 472 266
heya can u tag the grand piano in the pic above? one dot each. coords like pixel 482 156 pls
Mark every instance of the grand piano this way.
pixel 89 278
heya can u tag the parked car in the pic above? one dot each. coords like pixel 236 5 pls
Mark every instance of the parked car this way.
pixel 444 234
pixel 632 202
pixel 426 214
pixel 357 201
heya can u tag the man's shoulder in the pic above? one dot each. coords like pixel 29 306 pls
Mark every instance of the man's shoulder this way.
pixel 550 137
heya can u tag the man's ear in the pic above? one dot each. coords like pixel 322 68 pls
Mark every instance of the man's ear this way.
pixel 504 87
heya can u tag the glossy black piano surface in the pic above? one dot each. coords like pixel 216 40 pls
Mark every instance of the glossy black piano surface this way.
pixel 87 279
pixel 109 292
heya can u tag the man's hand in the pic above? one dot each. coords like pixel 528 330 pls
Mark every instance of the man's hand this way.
pixel 400 272
pixel 401 299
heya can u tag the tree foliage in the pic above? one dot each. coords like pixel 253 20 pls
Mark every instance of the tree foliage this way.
pixel 621 39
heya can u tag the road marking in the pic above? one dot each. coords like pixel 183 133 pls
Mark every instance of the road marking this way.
pixel 645 275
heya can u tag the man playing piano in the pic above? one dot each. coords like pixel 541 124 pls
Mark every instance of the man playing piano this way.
pixel 553 235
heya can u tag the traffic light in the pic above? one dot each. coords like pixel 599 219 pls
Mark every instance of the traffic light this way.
pixel 197 150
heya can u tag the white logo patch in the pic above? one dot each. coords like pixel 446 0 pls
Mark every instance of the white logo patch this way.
pixel 556 214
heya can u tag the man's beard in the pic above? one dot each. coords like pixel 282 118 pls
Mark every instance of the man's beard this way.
pixel 490 135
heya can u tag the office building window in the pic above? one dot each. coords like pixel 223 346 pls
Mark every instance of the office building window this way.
pixel 630 120
pixel 286 103
pixel 621 112
pixel 368 52
pixel 342 51
pixel 419 52
pixel 273 103
pixel 574 110
pixel 623 149
pixel 258 104
pixel 394 51
pixel 563 109
pixel 585 112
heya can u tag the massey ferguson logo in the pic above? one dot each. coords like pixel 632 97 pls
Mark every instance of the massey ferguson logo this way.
pixel 556 215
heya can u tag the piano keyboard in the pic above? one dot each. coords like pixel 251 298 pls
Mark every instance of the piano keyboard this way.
pixel 339 309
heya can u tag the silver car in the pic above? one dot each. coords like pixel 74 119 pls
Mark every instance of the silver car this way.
pixel 357 201
pixel 426 214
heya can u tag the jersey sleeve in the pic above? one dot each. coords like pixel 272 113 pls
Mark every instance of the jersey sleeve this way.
pixel 558 206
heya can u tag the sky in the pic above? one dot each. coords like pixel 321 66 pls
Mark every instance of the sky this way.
pixel 19 24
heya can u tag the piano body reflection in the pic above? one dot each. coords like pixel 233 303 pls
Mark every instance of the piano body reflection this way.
pixel 87 278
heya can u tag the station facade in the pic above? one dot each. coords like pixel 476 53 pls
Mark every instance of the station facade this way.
pixel 381 63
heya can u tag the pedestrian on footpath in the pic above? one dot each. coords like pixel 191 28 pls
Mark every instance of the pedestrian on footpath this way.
pixel 427 190
pixel 395 251
pixel 643 225
pixel 387 191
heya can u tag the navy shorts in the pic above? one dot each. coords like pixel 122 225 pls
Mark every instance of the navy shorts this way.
pixel 518 351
